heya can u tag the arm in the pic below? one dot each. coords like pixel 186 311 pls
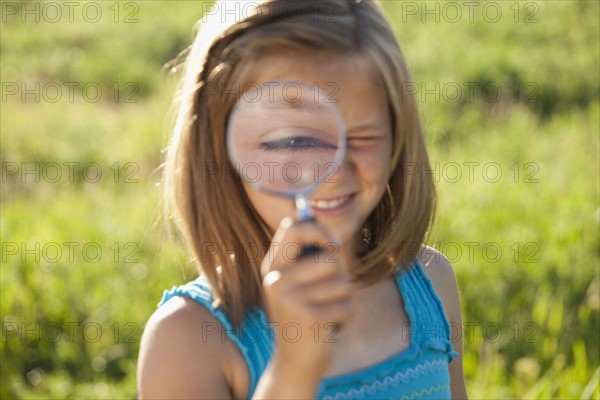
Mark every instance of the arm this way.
pixel 441 274
pixel 175 361
pixel 304 292
pixel 280 382
pixel 178 361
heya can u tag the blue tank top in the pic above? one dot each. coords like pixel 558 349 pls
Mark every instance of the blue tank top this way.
pixel 418 372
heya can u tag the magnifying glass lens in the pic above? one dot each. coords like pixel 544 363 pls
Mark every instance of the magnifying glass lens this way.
pixel 285 141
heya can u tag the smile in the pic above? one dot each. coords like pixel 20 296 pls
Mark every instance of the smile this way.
pixel 329 204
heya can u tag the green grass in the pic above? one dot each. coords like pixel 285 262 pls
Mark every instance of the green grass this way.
pixel 531 313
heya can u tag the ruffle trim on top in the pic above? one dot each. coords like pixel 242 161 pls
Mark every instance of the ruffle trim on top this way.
pixel 443 346
pixel 421 303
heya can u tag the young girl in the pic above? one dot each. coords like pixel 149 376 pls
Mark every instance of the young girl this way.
pixel 384 320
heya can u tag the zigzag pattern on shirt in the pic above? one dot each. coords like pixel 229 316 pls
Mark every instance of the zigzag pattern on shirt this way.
pixel 392 381
pixel 426 391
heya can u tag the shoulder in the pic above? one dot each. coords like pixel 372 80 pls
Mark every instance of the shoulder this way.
pixel 441 274
pixel 436 265
pixel 173 348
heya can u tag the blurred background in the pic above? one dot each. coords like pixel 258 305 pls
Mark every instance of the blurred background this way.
pixel 509 98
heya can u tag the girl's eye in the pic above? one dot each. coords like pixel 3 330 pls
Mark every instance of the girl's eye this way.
pixel 296 143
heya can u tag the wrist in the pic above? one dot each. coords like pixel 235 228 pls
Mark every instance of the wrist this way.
pixel 284 381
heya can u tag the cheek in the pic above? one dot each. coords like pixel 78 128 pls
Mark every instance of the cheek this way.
pixel 373 161
pixel 272 209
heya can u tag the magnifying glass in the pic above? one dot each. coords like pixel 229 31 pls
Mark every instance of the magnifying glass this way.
pixel 286 138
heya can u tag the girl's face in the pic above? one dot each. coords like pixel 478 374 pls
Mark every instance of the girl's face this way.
pixel 343 203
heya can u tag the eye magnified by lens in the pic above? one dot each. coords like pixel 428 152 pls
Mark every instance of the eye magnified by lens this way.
pixel 286 138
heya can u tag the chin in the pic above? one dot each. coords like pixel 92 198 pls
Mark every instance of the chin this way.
pixel 343 234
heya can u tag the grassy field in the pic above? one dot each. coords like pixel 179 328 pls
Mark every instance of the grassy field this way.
pixel 510 102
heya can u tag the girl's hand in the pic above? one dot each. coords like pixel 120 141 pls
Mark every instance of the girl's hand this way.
pixel 305 300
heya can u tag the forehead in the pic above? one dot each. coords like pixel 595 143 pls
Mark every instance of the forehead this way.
pixel 350 81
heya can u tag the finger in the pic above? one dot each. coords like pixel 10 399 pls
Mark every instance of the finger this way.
pixel 297 237
pixel 307 272
pixel 311 283
pixel 284 225
pixel 326 292
pixel 309 233
pixel 290 239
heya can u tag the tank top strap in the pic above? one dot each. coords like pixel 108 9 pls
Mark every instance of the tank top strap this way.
pixel 428 323
pixel 255 336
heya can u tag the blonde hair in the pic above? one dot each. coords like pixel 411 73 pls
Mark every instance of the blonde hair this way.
pixel 206 198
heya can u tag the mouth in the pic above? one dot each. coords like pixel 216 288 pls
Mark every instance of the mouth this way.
pixel 332 204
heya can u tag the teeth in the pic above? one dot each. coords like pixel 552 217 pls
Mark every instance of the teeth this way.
pixel 328 204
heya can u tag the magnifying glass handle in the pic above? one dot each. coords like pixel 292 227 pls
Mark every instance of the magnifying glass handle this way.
pixel 309 251
pixel 313 249
pixel 304 214
pixel 303 209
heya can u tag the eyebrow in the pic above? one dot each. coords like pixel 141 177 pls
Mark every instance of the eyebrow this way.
pixel 365 127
